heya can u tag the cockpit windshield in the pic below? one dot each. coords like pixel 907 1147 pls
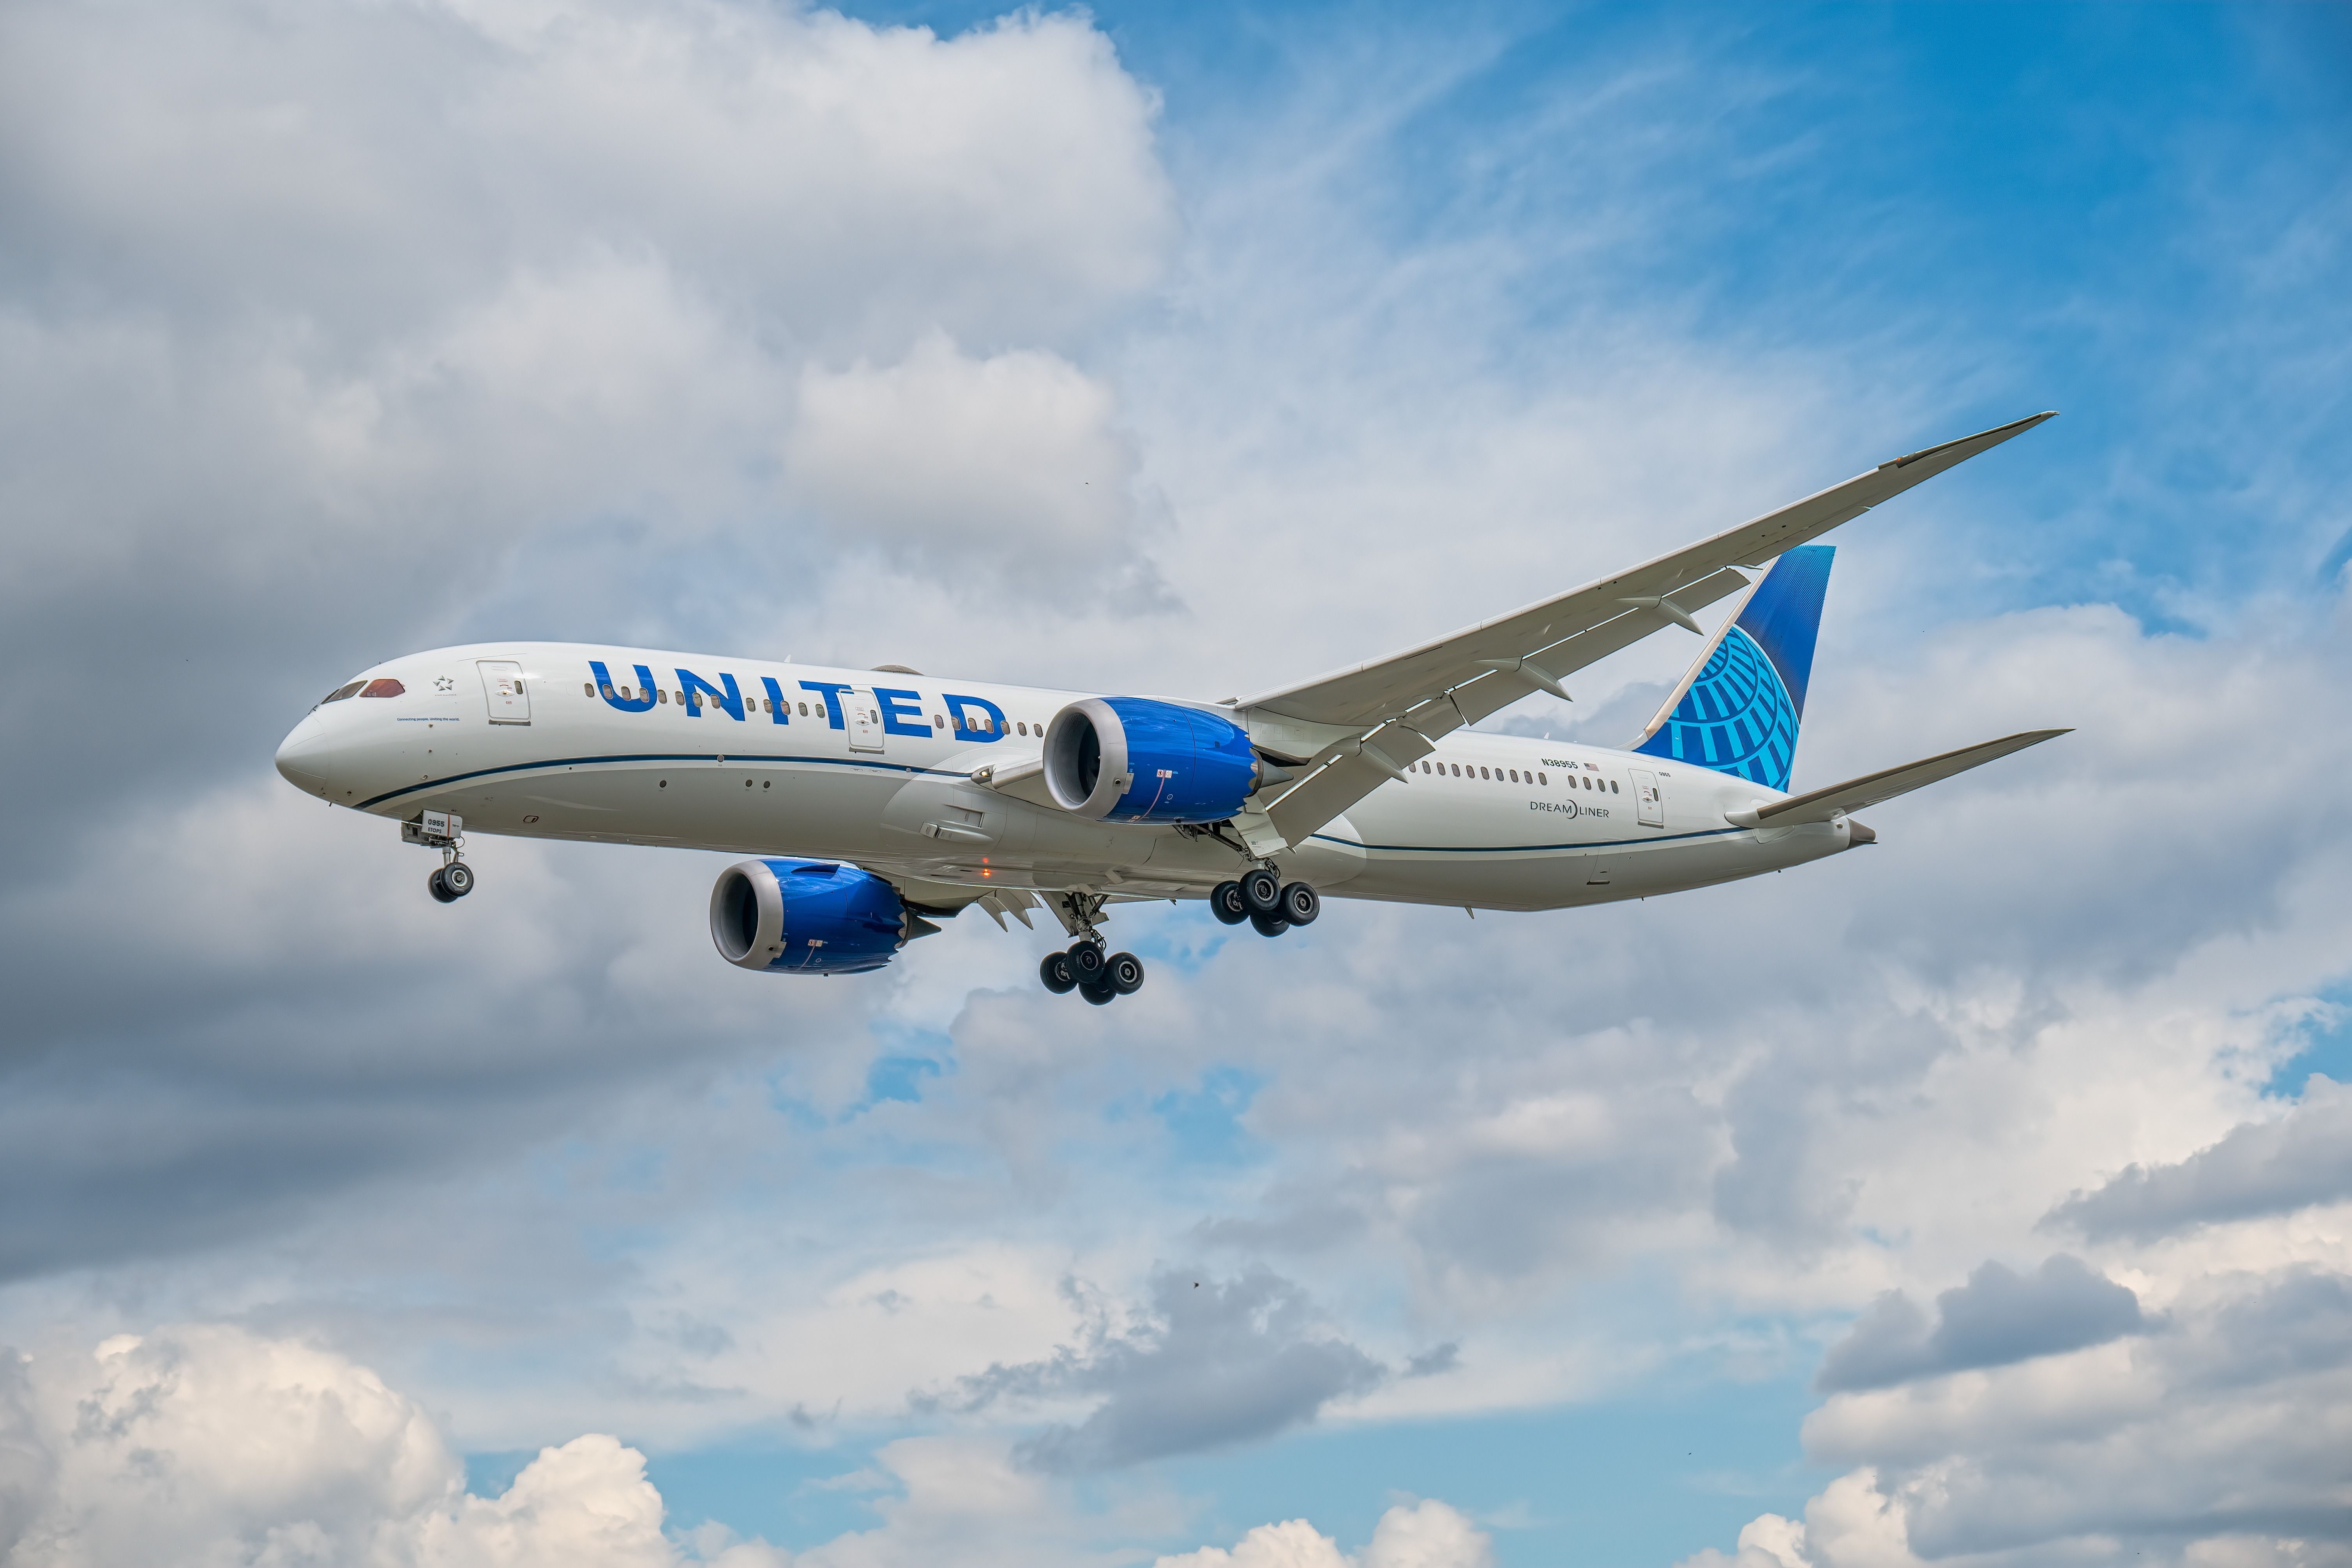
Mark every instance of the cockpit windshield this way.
pixel 340 692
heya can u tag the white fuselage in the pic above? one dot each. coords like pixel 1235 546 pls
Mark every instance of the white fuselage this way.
pixel 1488 821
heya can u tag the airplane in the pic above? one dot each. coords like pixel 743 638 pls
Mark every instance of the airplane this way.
pixel 873 804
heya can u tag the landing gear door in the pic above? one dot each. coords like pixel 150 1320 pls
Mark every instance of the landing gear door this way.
pixel 1649 806
pixel 502 686
pixel 865 720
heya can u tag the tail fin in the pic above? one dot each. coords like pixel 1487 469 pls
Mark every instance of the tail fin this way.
pixel 1738 705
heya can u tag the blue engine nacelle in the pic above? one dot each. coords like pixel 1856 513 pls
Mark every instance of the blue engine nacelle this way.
pixel 808 917
pixel 1132 759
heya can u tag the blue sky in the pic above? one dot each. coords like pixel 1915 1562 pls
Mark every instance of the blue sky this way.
pixel 1180 349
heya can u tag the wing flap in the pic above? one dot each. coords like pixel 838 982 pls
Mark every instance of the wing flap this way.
pixel 1856 795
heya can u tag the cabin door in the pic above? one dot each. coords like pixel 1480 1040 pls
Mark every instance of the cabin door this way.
pixel 865 718
pixel 1649 806
pixel 502 687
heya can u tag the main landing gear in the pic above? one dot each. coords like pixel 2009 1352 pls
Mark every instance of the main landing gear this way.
pixel 1262 899
pixel 1084 968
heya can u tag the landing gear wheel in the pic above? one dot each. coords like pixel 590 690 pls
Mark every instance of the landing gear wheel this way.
pixel 1086 963
pixel 1100 995
pixel 458 878
pixel 1300 904
pixel 439 888
pixel 1124 974
pixel 1056 972
pixel 1225 903
pixel 1262 892
pixel 1269 925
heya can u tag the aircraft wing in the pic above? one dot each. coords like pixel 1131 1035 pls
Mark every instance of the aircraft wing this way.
pixel 1396 707
pixel 1854 795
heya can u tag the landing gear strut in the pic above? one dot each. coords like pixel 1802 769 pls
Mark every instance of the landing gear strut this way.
pixel 1084 967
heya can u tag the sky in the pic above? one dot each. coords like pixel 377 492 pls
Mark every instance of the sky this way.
pixel 1982 1199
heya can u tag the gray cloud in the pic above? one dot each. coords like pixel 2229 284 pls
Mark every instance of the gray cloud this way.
pixel 1217 1362
pixel 2302 1158
pixel 1997 1317
pixel 2230 1424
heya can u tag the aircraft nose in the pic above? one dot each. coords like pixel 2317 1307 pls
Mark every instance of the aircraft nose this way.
pixel 300 757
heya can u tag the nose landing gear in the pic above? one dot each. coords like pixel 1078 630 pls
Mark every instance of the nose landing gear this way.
pixel 443 831
pixel 451 882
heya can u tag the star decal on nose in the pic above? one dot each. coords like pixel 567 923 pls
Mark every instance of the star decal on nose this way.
pixel 445 683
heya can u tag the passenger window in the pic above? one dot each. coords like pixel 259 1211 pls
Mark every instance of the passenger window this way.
pixel 384 687
pixel 587 689
pixel 1515 775
pixel 1543 781
pixel 938 723
pixel 804 709
pixel 1612 786
pixel 661 696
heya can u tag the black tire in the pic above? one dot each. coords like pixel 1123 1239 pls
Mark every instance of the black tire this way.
pixel 439 889
pixel 1269 925
pixel 1100 995
pixel 458 878
pixel 1086 963
pixel 1262 892
pixel 1056 972
pixel 1225 903
pixel 1301 904
pixel 1124 974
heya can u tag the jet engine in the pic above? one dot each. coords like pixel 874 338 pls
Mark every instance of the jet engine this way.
pixel 809 917
pixel 1136 759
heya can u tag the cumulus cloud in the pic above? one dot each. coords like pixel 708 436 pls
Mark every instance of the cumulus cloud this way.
pixel 2301 1158
pixel 2222 1437
pixel 1998 1317
pixel 206 1442
pixel 1426 1534
pixel 1213 1361
pixel 314 318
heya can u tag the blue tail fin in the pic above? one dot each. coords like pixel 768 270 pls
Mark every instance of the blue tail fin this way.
pixel 1737 707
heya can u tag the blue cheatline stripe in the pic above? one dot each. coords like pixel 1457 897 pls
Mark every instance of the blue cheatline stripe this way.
pixel 729 757
pixel 1522 849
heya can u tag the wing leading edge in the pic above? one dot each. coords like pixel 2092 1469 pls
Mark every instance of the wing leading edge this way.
pixel 1368 722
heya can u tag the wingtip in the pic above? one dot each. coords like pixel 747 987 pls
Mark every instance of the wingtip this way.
pixel 1992 438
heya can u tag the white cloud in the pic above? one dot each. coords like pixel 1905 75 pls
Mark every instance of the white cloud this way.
pixel 1424 1534
pixel 2221 1434
pixel 1008 464
pixel 207 1444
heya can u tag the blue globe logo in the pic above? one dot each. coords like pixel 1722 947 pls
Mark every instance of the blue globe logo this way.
pixel 1737 716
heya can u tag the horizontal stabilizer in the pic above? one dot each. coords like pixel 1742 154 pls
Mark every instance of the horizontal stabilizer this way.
pixel 1822 805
